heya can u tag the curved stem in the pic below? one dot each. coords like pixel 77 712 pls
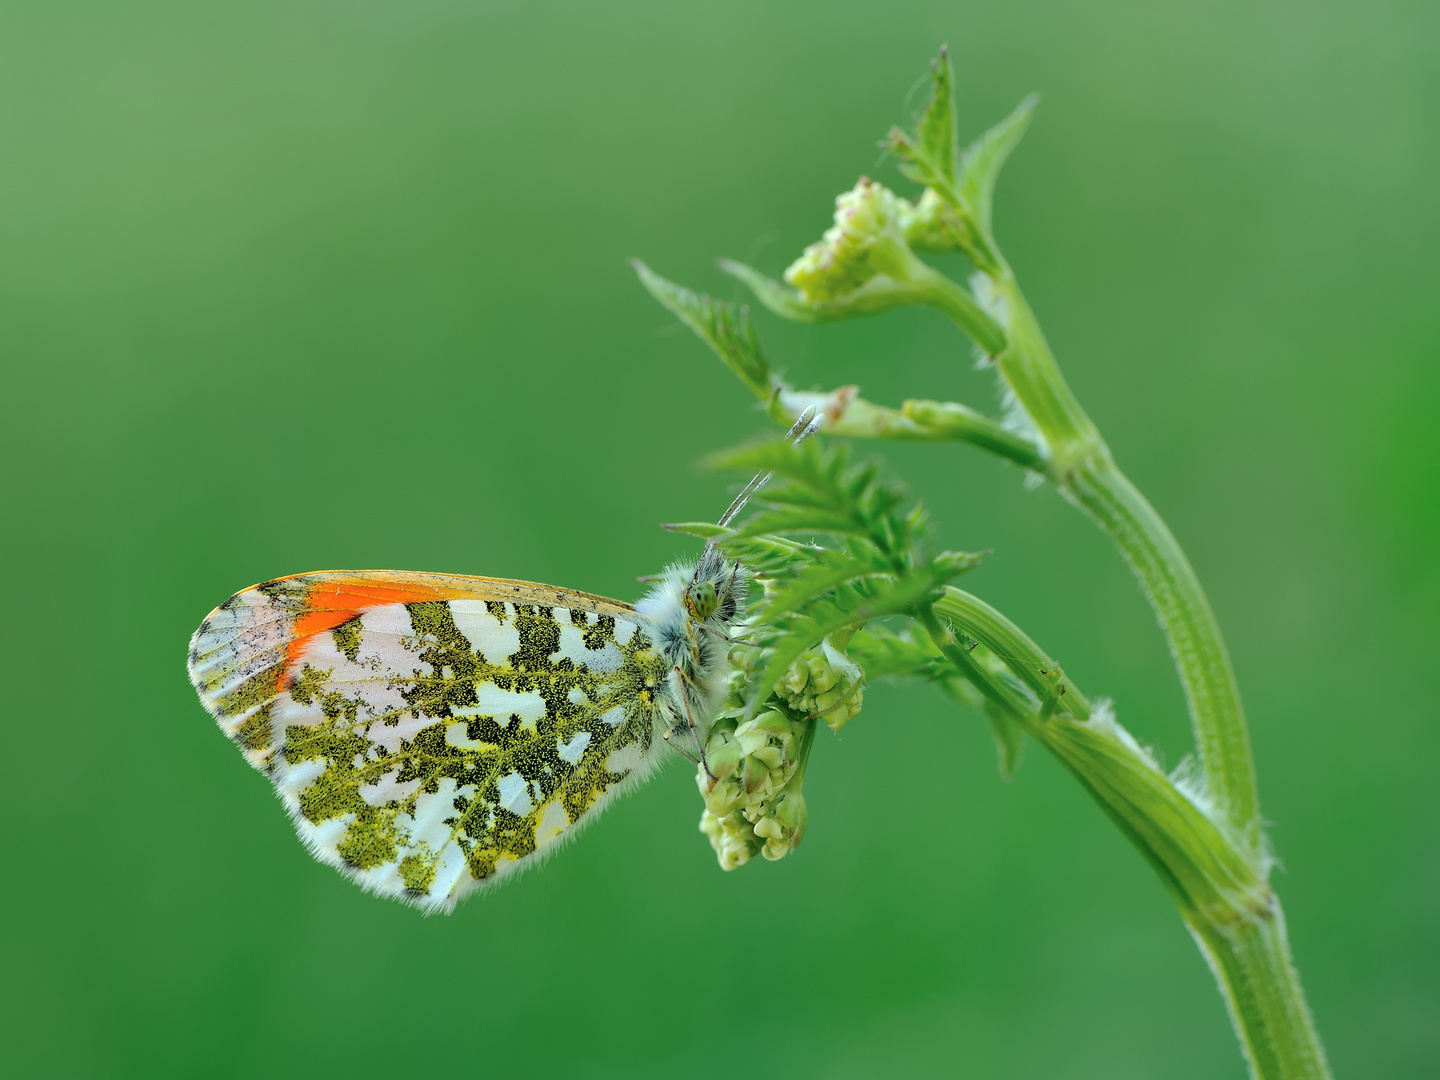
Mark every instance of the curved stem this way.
pixel 1214 875
pixel 1222 739
pixel 936 290
pixel 1025 363
pixel 1079 463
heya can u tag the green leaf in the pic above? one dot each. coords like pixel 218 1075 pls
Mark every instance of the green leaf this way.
pixel 775 295
pixel 705 530
pixel 936 130
pixel 895 598
pixel 980 162
pixel 928 156
pixel 955 563
pixel 917 164
pixel 882 653
pixel 828 572
pixel 1009 739
pixel 724 327
pixel 773 455
pixel 794 521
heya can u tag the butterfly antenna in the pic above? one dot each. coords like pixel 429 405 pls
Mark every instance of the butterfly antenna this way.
pixel 806 425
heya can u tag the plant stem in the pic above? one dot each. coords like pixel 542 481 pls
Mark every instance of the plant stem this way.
pixel 1213 875
pixel 915 421
pixel 1221 736
pixel 936 290
pixel 1080 465
pixel 1026 364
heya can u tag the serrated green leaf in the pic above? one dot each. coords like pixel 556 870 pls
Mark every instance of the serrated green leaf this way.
pixel 775 295
pixel 955 563
pixel 705 530
pixel 724 327
pixel 917 164
pixel 883 653
pixel 936 129
pixel 900 597
pixel 799 520
pixel 981 160
pixel 820 577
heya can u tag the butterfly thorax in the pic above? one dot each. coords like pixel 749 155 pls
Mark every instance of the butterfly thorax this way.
pixel 692 608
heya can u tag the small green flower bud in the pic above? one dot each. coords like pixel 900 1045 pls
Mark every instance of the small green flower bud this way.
pixel 722 797
pixel 774 722
pixel 786 828
pixel 824 683
pixel 756 773
pixel 750 781
pixel 934 225
pixel 734 842
pixel 722 754
pixel 822 674
pixel 868 238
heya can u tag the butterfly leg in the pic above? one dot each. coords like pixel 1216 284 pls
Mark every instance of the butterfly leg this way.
pixel 726 637
pixel 680 681
pixel 680 749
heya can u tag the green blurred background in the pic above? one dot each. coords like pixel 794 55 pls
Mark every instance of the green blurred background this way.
pixel 376 250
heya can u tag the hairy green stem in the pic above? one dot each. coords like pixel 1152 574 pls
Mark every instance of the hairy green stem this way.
pixel 936 290
pixel 1214 875
pixel 1080 465
pixel 1026 364
pixel 1222 739
pixel 915 421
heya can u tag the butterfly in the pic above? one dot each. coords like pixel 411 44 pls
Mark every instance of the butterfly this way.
pixel 430 734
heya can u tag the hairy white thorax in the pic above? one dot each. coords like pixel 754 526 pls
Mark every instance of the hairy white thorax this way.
pixel 692 639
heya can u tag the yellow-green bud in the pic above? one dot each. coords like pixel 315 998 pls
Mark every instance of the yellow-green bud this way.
pixel 934 225
pixel 732 838
pixel 824 683
pixel 868 238
pixel 750 781
pixel 785 828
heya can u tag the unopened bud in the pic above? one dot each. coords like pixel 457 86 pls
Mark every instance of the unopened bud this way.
pixel 750 780
pixel 934 225
pixel 826 684
pixel 868 238
pixel 734 841
pixel 785 828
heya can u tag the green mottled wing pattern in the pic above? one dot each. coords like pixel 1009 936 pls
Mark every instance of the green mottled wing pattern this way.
pixel 438 742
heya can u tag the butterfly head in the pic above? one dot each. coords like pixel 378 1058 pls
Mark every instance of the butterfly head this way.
pixel 715 594
pixel 701 599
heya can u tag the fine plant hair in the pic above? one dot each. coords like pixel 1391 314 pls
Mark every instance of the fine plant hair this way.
pixel 853 588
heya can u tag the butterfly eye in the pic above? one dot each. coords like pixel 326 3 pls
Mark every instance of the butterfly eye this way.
pixel 701 600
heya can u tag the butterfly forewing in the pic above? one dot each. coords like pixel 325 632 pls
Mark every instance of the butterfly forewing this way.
pixel 431 733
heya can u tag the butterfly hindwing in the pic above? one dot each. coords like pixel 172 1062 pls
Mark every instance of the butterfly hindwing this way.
pixel 431 733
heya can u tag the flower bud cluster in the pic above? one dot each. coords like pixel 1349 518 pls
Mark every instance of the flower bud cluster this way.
pixel 934 225
pixel 750 779
pixel 868 238
pixel 826 684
